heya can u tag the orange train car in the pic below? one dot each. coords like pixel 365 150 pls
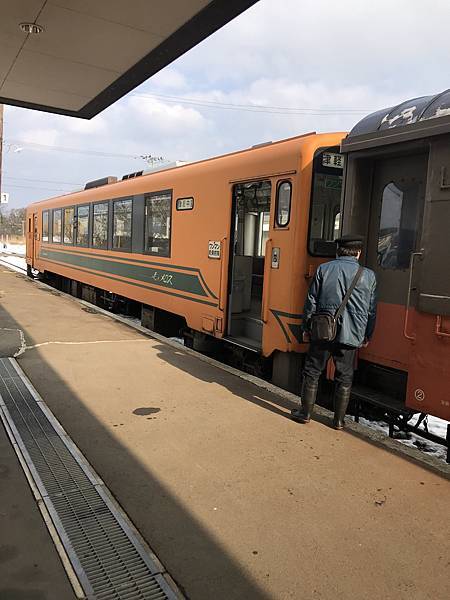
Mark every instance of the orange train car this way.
pixel 224 248
pixel 397 192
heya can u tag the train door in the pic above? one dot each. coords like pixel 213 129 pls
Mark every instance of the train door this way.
pixel 394 242
pixel 429 377
pixel 249 235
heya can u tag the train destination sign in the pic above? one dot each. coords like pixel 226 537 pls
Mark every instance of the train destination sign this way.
pixel 331 159
pixel 185 203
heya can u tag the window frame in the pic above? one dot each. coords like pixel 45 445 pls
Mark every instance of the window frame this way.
pixel 149 195
pixel 91 237
pixel 398 252
pixel 112 248
pixel 64 208
pixel 45 212
pixel 278 225
pixel 75 237
pixel 54 210
pixel 329 171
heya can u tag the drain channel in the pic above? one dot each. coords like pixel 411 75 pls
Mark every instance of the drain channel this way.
pixel 107 556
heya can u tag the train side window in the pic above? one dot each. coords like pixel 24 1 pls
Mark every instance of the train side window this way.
pixel 283 206
pixel 100 225
pixel 69 214
pixel 82 226
pixel 158 216
pixel 398 225
pixel 324 216
pixel 122 224
pixel 57 226
pixel 44 226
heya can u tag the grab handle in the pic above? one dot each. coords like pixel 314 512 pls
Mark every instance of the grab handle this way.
pixel 267 269
pixel 438 329
pixel 408 298
pixel 222 273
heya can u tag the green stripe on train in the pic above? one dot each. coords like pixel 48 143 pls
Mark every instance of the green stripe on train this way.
pixel 166 278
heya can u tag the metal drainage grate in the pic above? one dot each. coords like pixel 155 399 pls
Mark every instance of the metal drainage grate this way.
pixel 106 555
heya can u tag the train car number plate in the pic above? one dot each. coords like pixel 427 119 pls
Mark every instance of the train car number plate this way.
pixel 213 249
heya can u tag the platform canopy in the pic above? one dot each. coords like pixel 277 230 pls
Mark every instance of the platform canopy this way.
pixel 76 57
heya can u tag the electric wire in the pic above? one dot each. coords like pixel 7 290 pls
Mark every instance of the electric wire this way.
pixel 287 110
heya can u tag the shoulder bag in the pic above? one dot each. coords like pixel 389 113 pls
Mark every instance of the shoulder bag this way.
pixel 323 325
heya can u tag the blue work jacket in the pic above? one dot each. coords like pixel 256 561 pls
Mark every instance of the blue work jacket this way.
pixel 327 290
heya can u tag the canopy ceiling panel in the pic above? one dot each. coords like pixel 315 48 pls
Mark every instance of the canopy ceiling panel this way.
pixel 92 52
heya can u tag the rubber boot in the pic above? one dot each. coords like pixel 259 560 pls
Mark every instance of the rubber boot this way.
pixel 341 400
pixel 308 399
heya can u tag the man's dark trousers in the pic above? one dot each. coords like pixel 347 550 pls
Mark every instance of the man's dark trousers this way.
pixel 343 358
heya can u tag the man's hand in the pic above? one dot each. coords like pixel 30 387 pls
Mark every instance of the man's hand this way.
pixel 306 337
pixel 365 343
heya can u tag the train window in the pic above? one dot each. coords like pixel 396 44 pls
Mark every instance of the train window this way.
pixel 158 213
pixel 44 226
pixel 398 225
pixel 100 225
pixel 82 226
pixel 324 218
pixel 283 209
pixel 68 224
pixel 57 226
pixel 122 220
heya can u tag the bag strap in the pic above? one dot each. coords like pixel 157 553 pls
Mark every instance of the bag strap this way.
pixel 353 284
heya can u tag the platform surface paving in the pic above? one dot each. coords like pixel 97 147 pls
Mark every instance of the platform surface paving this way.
pixel 236 500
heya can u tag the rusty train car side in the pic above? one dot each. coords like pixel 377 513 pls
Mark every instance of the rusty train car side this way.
pixel 220 243
pixel 397 191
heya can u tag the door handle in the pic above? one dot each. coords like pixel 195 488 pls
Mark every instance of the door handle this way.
pixel 408 298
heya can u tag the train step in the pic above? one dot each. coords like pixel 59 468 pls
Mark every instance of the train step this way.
pixel 362 393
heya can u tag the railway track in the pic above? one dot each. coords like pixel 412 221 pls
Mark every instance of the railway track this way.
pixel 11 265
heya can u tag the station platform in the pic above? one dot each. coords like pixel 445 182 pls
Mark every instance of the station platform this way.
pixel 235 499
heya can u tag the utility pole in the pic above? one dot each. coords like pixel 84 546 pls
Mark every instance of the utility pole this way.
pixel 1 156
pixel 1 144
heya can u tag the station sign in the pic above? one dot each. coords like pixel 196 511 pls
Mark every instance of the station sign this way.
pixel 4 198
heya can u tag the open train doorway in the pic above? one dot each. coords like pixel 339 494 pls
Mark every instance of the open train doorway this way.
pixel 249 235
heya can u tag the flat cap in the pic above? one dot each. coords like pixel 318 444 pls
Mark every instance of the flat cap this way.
pixel 350 240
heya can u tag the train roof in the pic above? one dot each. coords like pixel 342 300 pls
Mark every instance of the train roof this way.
pixel 415 118
pixel 298 140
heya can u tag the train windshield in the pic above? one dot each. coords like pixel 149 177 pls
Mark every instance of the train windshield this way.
pixel 325 216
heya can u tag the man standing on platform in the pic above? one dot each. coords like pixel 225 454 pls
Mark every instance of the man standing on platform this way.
pixel 341 294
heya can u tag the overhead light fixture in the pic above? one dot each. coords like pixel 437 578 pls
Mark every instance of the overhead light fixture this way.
pixel 31 28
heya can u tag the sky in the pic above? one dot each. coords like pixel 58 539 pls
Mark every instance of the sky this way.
pixel 306 65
